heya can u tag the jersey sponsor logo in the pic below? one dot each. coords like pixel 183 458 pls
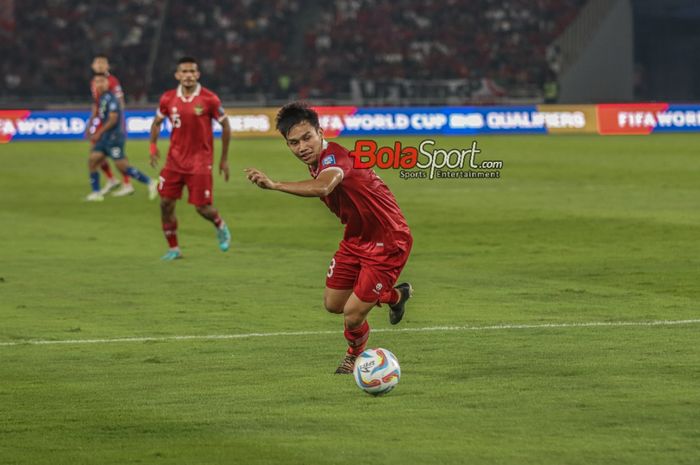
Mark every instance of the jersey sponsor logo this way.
pixel 328 160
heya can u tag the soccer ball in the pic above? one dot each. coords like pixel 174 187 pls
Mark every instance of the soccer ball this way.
pixel 377 371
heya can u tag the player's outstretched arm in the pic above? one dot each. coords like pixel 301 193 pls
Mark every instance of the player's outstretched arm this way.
pixel 319 187
pixel 225 138
pixel 153 147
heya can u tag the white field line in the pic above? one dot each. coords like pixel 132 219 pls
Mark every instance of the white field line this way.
pixel 212 337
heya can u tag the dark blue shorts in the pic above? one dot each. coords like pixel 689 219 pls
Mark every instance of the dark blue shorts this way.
pixel 113 149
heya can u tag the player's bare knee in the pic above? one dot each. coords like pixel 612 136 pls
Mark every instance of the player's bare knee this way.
pixel 122 166
pixel 202 209
pixel 354 320
pixel 332 307
pixel 167 206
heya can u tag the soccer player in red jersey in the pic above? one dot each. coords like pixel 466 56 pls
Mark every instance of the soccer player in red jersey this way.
pixel 377 240
pixel 100 66
pixel 190 108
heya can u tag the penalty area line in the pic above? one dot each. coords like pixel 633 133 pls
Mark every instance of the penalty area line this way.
pixel 214 337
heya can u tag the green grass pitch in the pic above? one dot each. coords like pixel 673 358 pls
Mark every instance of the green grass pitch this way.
pixel 577 230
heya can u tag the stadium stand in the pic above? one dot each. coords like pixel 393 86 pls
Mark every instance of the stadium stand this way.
pixel 365 50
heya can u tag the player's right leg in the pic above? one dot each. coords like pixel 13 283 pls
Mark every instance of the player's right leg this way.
pixel 169 222
pixel 334 299
pixel 170 190
pixel 356 330
pixel 94 161
pixel 338 298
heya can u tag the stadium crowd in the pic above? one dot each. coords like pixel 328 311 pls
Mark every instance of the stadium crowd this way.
pixel 54 41
pixel 279 48
pixel 505 40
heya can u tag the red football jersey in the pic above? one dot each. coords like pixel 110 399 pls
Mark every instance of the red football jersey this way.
pixel 192 138
pixel 365 205
pixel 114 86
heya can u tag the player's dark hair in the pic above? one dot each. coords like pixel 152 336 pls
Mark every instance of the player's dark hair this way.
pixel 294 113
pixel 186 60
pixel 101 55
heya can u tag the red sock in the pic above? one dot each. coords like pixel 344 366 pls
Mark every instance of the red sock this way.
pixel 390 296
pixel 357 338
pixel 170 231
pixel 126 179
pixel 218 221
pixel 107 171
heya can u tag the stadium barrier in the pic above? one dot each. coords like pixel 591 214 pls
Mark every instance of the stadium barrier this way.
pixel 613 119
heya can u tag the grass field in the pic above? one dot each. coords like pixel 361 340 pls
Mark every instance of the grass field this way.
pixel 582 230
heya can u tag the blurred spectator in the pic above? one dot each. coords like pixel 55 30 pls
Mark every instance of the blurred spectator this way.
pixel 283 48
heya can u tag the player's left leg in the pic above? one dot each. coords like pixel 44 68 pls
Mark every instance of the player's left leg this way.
pixel 381 273
pixel 94 161
pixel 123 164
pixel 200 187
pixel 127 188
pixel 208 212
pixel 111 183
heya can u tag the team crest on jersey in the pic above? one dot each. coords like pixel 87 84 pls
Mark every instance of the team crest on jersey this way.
pixel 198 110
pixel 328 160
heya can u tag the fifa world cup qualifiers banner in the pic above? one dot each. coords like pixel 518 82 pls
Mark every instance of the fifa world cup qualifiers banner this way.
pixel 647 118
pixel 17 125
pixel 643 118
pixel 532 119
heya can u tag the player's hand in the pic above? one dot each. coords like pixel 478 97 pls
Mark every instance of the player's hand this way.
pixel 94 138
pixel 259 178
pixel 223 169
pixel 154 154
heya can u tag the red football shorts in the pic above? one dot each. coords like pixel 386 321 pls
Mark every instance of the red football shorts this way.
pixel 367 274
pixel 199 186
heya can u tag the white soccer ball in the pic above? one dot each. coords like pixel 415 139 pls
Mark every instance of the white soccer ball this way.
pixel 377 371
